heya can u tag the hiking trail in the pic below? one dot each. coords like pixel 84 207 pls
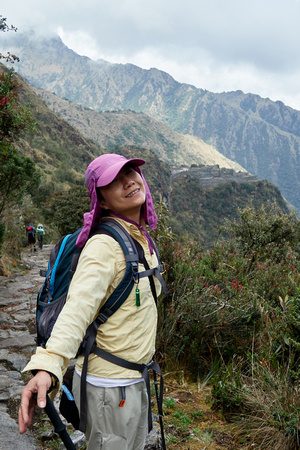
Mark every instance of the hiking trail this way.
pixel 18 294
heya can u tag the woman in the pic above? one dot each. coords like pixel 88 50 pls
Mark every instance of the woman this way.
pixel 117 188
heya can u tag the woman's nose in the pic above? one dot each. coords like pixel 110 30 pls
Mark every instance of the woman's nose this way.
pixel 128 182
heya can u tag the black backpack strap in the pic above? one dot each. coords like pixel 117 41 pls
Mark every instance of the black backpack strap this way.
pixel 133 253
pixel 143 260
pixel 111 305
pixel 156 271
pixel 111 228
pixel 85 349
pixel 131 242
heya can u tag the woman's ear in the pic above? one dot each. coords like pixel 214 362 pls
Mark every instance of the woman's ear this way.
pixel 103 205
pixel 101 199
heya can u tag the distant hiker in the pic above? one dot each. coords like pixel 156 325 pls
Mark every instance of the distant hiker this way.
pixel 40 232
pixel 117 395
pixel 31 236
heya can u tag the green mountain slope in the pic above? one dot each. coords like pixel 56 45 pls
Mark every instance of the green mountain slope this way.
pixel 55 144
pixel 200 212
pixel 198 198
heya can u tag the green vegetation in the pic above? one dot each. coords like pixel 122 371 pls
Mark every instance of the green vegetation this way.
pixel 199 212
pixel 18 174
pixel 233 315
pixel 67 207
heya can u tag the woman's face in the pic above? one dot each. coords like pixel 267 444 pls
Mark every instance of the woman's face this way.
pixel 125 194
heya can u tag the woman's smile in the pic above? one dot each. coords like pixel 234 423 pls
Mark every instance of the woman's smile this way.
pixel 132 193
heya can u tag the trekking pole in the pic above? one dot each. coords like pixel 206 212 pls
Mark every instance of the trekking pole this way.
pixel 59 427
pixel 163 443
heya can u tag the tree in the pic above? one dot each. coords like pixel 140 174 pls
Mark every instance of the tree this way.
pixel 14 118
pixel 65 209
pixel 18 174
pixel 17 177
pixel 4 27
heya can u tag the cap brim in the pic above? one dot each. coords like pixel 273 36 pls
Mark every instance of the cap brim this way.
pixel 110 174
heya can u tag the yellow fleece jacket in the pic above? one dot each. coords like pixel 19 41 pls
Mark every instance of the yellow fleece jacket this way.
pixel 129 333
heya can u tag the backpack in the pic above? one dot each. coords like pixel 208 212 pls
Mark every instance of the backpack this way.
pixel 40 229
pixel 30 231
pixel 61 268
pixel 52 296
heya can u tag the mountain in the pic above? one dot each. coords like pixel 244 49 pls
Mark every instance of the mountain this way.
pixel 260 135
pixel 198 198
pixel 56 147
pixel 62 153
pixel 127 128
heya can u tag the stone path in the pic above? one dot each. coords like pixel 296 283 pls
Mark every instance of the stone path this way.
pixel 17 342
pixel 17 332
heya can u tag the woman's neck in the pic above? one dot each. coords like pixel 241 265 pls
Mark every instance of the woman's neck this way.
pixel 138 225
pixel 127 219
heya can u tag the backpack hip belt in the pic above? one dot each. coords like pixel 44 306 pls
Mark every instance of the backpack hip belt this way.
pixel 142 368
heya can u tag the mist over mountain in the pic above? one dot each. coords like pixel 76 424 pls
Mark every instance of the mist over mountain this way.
pixel 260 135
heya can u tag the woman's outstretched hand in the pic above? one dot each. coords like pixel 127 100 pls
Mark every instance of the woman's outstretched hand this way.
pixel 39 385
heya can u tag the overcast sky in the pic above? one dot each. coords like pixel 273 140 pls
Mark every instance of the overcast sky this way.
pixel 218 45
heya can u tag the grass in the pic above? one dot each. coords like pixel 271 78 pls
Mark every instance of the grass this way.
pixel 189 421
pixel 272 404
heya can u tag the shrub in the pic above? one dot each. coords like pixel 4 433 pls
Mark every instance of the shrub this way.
pixel 64 210
pixel 219 299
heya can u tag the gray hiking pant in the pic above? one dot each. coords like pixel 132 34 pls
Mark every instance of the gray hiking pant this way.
pixel 109 426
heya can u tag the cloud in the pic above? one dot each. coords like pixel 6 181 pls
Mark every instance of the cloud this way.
pixel 217 45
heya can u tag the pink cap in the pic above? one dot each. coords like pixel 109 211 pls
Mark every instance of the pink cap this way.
pixel 104 169
pixel 100 172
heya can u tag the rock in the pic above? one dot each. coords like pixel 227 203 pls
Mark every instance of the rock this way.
pixel 4 334
pixel 23 318
pixel 17 361
pixel 153 438
pixel 3 355
pixel 11 385
pixel 10 437
pixel 5 319
pixel 47 435
pixel 78 439
pixel 7 298
pixel 21 341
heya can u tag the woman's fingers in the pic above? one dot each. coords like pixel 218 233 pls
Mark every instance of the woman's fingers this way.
pixel 38 385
